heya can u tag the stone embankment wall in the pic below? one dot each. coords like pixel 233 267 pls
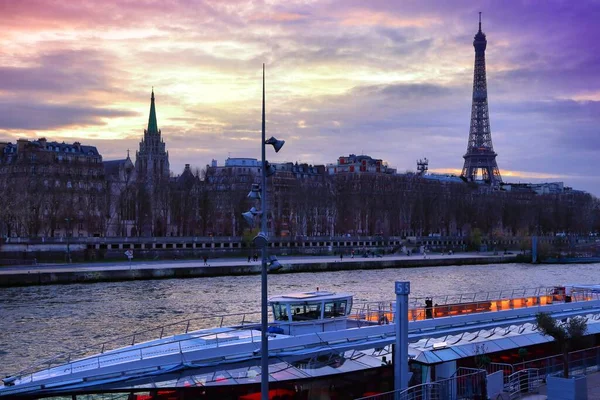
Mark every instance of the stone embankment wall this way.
pixel 68 274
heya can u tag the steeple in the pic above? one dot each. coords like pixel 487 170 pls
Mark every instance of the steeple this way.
pixel 152 160
pixel 152 125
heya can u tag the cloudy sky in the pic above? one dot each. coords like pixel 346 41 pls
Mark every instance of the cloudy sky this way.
pixel 391 79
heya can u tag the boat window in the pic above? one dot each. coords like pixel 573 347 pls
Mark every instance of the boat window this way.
pixel 335 309
pixel 306 311
pixel 280 312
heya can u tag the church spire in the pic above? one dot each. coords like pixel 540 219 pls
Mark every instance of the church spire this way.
pixel 152 125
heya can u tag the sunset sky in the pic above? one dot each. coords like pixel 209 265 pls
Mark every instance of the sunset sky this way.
pixel 391 79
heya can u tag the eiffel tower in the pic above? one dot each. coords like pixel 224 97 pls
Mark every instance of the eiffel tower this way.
pixel 480 152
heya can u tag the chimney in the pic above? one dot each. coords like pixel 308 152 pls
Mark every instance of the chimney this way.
pixel 42 142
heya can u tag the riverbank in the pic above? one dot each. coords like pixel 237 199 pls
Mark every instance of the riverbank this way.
pixel 107 272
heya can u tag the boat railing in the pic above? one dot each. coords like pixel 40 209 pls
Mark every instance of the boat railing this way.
pixel 123 347
pixel 382 312
pixel 135 338
pixel 483 296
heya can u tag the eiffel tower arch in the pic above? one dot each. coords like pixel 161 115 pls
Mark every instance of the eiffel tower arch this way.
pixel 480 154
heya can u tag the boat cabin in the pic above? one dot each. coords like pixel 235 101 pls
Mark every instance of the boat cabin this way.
pixel 307 312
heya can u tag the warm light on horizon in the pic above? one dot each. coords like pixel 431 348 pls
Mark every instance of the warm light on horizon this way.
pixel 393 80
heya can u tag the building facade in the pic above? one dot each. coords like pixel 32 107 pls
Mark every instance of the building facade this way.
pixel 358 165
pixel 51 189
pixel 122 189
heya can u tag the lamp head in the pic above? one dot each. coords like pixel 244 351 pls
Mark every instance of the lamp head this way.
pixel 260 240
pixel 270 170
pixel 254 192
pixel 277 144
pixel 274 265
pixel 249 216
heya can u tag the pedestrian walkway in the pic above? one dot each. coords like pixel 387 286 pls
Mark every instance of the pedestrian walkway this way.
pixel 137 270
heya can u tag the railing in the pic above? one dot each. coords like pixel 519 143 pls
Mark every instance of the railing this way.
pixel 523 381
pixel 192 239
pixel 383 312
pixel 126 341
pixel 483 296
pixel 466 383
pixel 121 349
pixel 507 369
pixel 581 362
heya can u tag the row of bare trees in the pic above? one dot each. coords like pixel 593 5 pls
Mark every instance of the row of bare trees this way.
pixel 380 204
pixel 207 203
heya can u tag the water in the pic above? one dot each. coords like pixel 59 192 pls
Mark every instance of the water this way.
pixel 40 321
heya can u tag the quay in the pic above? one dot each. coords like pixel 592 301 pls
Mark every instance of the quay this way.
pixel 51 274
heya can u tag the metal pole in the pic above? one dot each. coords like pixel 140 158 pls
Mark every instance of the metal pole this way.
pixel 264 345
pixel 68 220
pixel 401 320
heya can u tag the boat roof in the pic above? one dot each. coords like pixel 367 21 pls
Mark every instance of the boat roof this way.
pixel 302 297
pixel 249 372
pixel 590 287
pixel 455 347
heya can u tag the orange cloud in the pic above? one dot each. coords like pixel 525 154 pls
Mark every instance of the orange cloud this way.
pixel 278 17
pixel 377 18
pixel 507 174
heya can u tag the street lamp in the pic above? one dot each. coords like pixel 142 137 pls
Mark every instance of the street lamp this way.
pixel 262 241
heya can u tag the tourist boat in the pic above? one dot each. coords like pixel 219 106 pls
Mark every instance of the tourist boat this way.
pixel 318 341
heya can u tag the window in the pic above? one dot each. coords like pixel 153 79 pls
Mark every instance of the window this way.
pixel 335 309
pixel 280 312
pixel 306 311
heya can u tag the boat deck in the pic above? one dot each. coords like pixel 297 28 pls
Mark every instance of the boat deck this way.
pixel 239 342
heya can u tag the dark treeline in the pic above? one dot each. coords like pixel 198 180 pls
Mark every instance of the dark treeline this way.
pixel 207 203
pixel 390 205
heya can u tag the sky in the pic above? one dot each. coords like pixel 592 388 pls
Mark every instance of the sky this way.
pixel 390 79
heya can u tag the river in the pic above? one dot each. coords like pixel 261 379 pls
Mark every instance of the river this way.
pixel 38 322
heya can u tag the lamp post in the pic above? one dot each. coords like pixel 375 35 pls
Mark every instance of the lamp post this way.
pixel 262 241
pixel 264 344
